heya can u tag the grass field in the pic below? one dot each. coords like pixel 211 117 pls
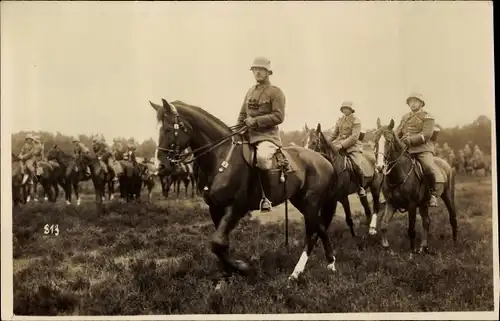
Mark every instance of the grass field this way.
pixel 155 259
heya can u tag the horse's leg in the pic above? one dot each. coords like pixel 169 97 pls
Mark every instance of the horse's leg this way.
pixel 313 231
pixel 76 189
pixel 412 218
pixel 386 217
pixel 348 215
pixel 375 191
pixel 448 198
pixel 186 185
pixel 192 185
pixel 426 223
pixel 220 239
pixel 56 191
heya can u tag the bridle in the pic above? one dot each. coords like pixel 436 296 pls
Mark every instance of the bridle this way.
pixel 389 165
pixel 174 152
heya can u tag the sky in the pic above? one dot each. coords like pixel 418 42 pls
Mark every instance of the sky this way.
pixel 88 67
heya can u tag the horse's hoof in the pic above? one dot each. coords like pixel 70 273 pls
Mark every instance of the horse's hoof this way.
pixel 331 267
pixel 45 198
pixel 242 266
pixel 293 277
pixel 372 231
pixel 385 243
pixel 68 203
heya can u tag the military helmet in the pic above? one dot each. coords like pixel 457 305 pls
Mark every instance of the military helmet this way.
pixel 29 136
pixel 416 95
pixel 36 138
pixel 347 104
pixel 262 62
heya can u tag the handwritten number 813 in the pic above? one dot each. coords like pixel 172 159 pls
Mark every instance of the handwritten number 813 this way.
pixel 51 229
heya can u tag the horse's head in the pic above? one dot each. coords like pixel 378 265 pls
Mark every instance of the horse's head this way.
pixel 387 143
pixel 312 138
pixel 175 132
pixel 54 153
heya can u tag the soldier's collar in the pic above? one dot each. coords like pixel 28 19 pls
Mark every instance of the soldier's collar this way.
pixel 263 84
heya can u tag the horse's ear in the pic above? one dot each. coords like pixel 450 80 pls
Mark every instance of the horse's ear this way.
pixel 55 146
pixel 305 127
pixel 318 128
pixel 169 107
pixel 391 124
pixel 155 106
pixel 378 122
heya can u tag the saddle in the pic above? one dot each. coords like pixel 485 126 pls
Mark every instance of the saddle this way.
pixel 281 160
pixel 439 171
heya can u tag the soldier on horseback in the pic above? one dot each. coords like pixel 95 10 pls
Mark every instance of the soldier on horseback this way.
pixel 446 151
pixel 262 111
pixel 478 155
pixel 118 150
pixel 29 155
pixel 101 149
pixel 80 149
pixel 415 130
pixel 345 138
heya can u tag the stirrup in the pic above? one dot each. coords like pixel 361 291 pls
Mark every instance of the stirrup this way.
pixel 433 201
pixel 265 205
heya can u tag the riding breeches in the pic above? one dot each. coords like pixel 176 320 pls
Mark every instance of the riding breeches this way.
pixel 265 151
pixel 30 165
pixel 426 159
pixel 357 158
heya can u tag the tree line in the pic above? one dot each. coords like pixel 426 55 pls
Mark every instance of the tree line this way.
pixel 477 132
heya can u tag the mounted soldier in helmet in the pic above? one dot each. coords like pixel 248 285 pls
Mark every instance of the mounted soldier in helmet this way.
pixel 262 111
pixel 105 156
pixel 478 155
pixel 29 155
pixel 415 130
pixel 345 137
pixel 79 150
pixel 118 150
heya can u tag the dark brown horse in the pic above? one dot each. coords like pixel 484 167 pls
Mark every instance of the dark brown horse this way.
pixel 100 177
pixel 344 183
pixel 231 182
pixel 19 190
pixel 148 174
pixel 404 186
pixel 73 174
pixel 180 173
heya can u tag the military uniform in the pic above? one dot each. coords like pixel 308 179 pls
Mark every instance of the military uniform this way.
pixel 478 155
pixel 264 109
pixel 30 154
pixel 416 128
pixel 101 149
pixel 467 152
pixel 346 134
pixel 79 150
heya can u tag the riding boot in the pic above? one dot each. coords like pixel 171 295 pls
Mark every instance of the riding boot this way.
pixel 432 188
pixel 265 204
pixel 359 177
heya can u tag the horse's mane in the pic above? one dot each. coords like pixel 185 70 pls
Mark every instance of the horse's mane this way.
pixel 177 103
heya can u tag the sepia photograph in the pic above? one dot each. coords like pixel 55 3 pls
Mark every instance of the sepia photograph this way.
pixel 238 160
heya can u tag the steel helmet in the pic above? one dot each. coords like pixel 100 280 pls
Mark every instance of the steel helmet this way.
pixel 262 62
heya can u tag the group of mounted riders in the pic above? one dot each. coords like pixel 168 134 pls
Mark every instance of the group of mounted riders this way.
pixel 263 110
pixel 466 158
pixel 32 158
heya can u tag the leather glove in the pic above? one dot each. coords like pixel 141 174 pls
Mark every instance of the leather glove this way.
pixel 337 147
pixel 250 122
